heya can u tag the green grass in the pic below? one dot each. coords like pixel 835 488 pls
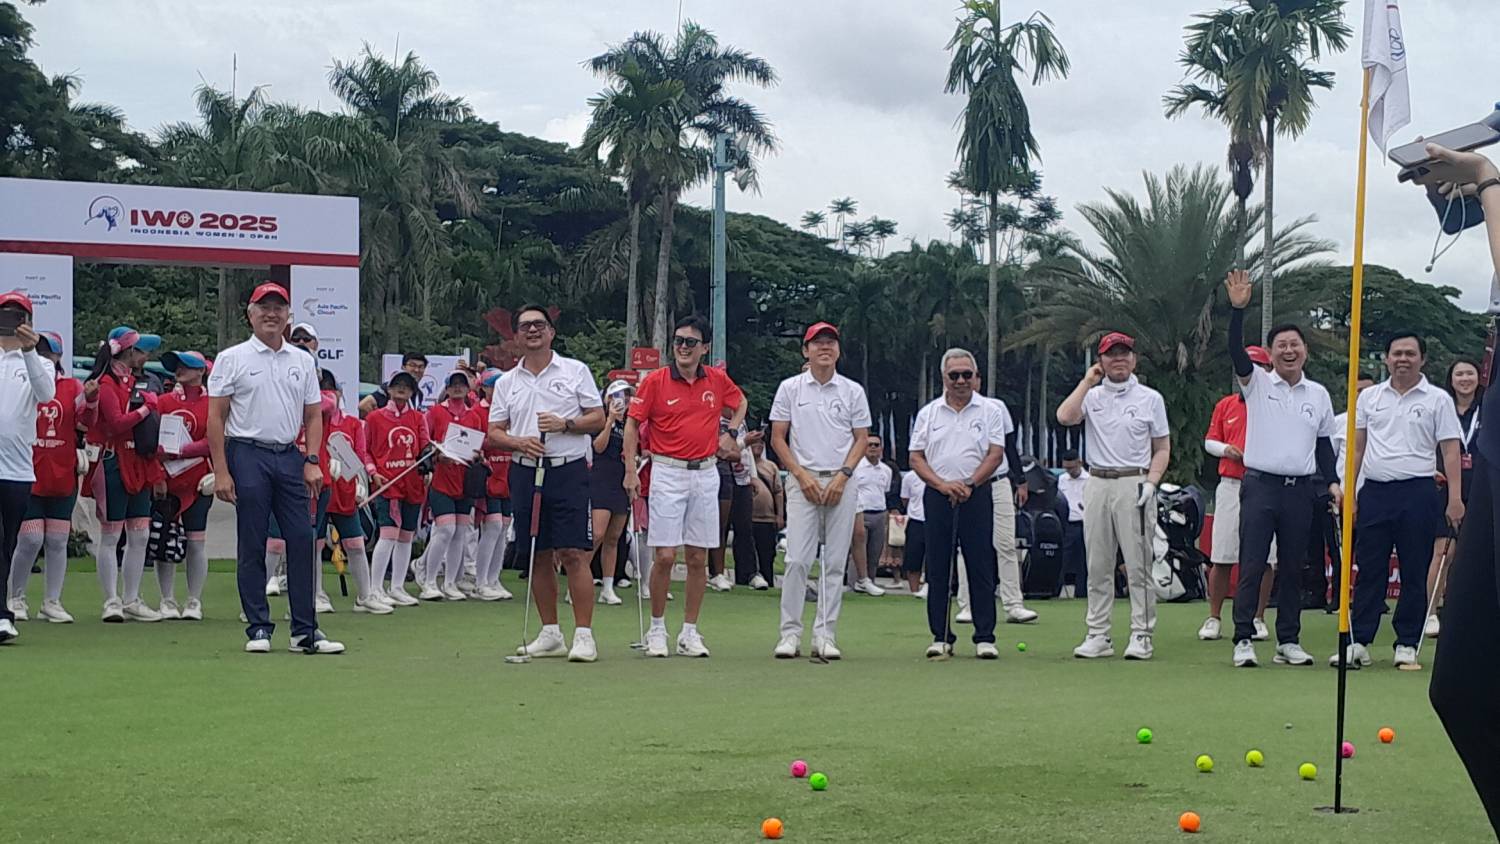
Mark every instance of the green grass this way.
pixel 168 732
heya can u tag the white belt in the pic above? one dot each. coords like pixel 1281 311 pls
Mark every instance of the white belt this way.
pixel 549 462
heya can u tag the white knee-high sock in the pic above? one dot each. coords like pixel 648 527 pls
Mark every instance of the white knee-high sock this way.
pixel 275 553
pixel 491 552
pixel 436 556
pixel 400 561
pixel 166 574
pixel 456 547
pixel 56 549
pixel 137 535
pixel 28 542
pixel 107 560
pixel 318 567
pixel 384 550
pixel 197 565
pixel 358 565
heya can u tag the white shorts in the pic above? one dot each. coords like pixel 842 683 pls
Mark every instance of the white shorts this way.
pixel 683 507
pixel 1226 535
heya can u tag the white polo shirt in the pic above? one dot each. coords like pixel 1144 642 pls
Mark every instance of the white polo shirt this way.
pixel 1009 425
pixel 956 441
pixel 1283 422
pixel 267 390
pixel 912 490
pixel 1072 489
pixel 823 418
pixel 1402 431
pixel 871 480
pixel 1120 420
pixel 564 387
pixel 26 380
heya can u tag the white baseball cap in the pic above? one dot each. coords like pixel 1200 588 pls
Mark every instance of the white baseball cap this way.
pixel 304 327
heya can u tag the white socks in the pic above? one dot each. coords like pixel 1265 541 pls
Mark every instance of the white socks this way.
pixel 165 574
pixel 358 566
pixel 197 568
pixel 400 563
pixel 107 561
pixel 28 544
pixel 437 553
pixel 56 549
pixel 382 562
pixel 658 623
pixel 135 563
pixel 454 564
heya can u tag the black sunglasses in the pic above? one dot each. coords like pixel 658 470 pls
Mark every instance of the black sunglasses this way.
pixel 687 342
pixel 960 375
pixel 533 325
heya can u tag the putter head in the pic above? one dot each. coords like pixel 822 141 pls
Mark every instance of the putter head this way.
pixel 638 646
pixel 518 659
pixel 1410 666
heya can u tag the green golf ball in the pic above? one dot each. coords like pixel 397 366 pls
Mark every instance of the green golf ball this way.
pixel 1255 758
pixel 1021 646
pixel 1143 735
pixel 818 782
pixel 1205 763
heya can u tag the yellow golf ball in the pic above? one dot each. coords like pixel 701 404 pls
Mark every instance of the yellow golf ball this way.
pixel 1255 758
pixel 1205 763
pixel 1308 771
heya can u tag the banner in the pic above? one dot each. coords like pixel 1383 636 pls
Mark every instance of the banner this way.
pixel 439 367
pixel 328 298
pixel 48 280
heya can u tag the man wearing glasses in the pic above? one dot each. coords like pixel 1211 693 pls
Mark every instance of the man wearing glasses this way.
pixel 685 405
pixel 552 395
pixel 1125 426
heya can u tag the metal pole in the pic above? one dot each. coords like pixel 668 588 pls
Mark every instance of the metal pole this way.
pixel 716 283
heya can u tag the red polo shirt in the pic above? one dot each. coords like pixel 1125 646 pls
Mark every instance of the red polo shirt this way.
pixel 1229 424
pixel 684 415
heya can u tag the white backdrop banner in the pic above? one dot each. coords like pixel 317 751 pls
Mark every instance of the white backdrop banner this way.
pixel 328 298
pixel 438 369
pixel 48 280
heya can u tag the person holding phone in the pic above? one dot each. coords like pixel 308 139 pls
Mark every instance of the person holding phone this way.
pixel 607 487
pixel 19 364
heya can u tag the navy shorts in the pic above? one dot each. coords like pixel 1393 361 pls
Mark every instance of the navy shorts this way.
pixel 58 508
pixel 566 518
pixel 118 505
pixel 347 526
pixel 402 515
pixel 442 505
pixel 493 506
pixel 195 517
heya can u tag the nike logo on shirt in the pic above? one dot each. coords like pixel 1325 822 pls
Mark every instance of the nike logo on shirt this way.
pixel 671 402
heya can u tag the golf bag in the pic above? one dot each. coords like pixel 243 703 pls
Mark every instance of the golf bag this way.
pixel 1177 567
pixel 1044 514
pixel 168 539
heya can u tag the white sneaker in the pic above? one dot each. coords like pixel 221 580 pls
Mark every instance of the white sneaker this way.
pixel 372 607
pixel 1244 654
pixel 243 620
pixel 1292 654
pixel 1261 633
pixel 259 644
pixel 1358 656
pixel 720 583
pixel 53 611
pixel 401 598
pixel 467 585
pixel 622 582
pixel 1405 655
pixel 379 597
pixel 499 589
pixel 281 578
pixel 607 596
pixel 656 642
pixel 1139 647
pixel 322 604
pixel 965 616
pixel 1095 646
pixel 452 593
pixel 1431 628
pixel 273 587
pixel 546 643
pixel 867 586
pixel 986 650
pixel 1211 630
pixel 827 650
pixel 759 583
pixel 1020 615
pixel 690 643
pixel 583 647
pixel 19 609
pixel 787 648
pixel 169 610
pixel 114 612
pixel 430 593
pixel 921 593
pixel 317 643
pixel 485 593
pixel 7 630
pixel 937 649
pixel 138 611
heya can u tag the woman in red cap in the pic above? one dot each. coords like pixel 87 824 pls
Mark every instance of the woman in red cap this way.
pixel 186 472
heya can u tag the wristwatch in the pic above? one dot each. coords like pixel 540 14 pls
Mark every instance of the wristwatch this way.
pixel 311 459
pixel 568 425
pixel 846 471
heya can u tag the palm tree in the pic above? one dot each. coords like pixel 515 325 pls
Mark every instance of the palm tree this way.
pixel 939 289
pixel 857 236
pixel 394 96
pixel 703 110
pixel 813 221
pixel 995 144
pixel 841 208
pixel 880 230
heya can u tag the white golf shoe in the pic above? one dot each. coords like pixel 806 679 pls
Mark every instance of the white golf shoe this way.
pixel 1020 615
pixel 53 611
pixel 690 643
pixel 453 593
pixel 260 643
pixel 788 648
pixel 138 611
pixel 373 607
pixel 1405 655
pixel 19 609
pixel 583 647
pixel 1095 646
pixel 7 630
pixel 1261 633
pixel 1357 655
pixel 759 583
pixel 114 612
pixel 322 603
pixel 986 650
pixel 607 596
pixel 316 643
pixel 1432 627
pixel 548 643
pixel 169 610
pixel 867 586
pixel 937 649
pixel 1139 647
pixel 965 616
pixel 1211 630
pixel 430 592
pixel 1291 654
pixel 656 642
pixel 273 587
pixel 1244 654
pixel 827 650
pixel 921 593
pixel 401 598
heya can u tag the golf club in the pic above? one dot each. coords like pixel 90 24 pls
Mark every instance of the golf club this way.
pixel 427 454
pixel 814 655
pixel 521 656
pixel 947 653
pixel 640 602
pixel 1431 601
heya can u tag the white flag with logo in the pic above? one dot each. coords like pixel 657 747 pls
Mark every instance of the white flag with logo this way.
pixel 1384 55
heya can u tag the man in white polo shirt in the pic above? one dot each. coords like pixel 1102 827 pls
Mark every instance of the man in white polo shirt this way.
pixel 957 443
pixel 1125 423
pixel 1399 427
pixel 29 381
pixel 261 394
pixel 872 480
pixel 544 411
pixel 819 421
pixel 1288 458
pixel 1071 484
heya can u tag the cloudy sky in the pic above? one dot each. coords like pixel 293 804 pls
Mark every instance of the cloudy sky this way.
pixel 859 110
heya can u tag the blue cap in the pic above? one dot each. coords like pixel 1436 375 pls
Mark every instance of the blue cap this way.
pixel 53 340
pixel 145 342
pixel 172 361
pixel 491 377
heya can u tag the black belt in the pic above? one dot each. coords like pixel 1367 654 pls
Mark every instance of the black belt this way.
pixel 548 462
pixel 690 465
pixel 1284 480
pixel 1110 474
pixel 277 448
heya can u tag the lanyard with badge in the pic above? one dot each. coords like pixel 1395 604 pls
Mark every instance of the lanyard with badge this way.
pixel 1466 457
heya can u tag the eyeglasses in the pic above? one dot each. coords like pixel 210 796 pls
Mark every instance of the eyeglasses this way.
pixel 687 342
pixel 960 375
pixel 531 325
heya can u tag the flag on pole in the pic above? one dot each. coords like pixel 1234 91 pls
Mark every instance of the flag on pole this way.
pixel 1384 54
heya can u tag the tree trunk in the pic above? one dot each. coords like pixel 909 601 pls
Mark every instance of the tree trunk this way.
pixel 1026 438
pixel 393 314
pixel 864 360
pixel 992 315
pixel 1242 222
pixel 427 301
pixel 659 328
pixel 1042 404
pixel 632 285
pixel 225 306
pixel 1267 303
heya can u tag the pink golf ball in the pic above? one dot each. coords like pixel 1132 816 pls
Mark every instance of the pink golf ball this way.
pixel 799 769
pixel 1348 750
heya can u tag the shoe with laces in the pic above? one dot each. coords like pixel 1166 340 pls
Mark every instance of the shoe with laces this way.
pixel 759 583
pixel 690 643
pixel 986 650
pixel 937 649
pixel 583 647
pixel 322 604
pixel 316 643
pixel 1405 655
pixel 19 609
pixel 1358 656
pixel 547 643
pixel 1431 628
pixel 452 593
pixel 1261 633
pixel 372 607
pixel 607 596
pixel 1211 630
pixel 1095 646
pixel 53 611
pixel 430 593
pixel 827 650
pixel 7 630
pixel 867 586
pixel 401 598
pixel 1020 615
pixel 260 643
pixel 169 610
pixel 1292 653
pixel 114 612
pixel 1139 647
pixel 656 642
pixel 1244 654
pixel 138 611
pixel 788 648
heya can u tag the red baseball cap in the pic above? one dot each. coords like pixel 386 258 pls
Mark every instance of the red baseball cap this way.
pixel 1258 354
pixel 1115 338
pixel 819 328
pixel 270 288
pixel 16 297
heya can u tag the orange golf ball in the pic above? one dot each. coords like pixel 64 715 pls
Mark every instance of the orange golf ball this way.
pixel 771 827
pixel 1189 822
pixel 1387 735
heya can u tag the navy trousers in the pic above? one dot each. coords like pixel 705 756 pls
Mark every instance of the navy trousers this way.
pixel 975 520
pixel 1272 506
pixel 270 483
pixel 1400 515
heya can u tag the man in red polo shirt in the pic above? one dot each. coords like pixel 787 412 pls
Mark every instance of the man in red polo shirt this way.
pixel 685 405
pixel 1226 441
